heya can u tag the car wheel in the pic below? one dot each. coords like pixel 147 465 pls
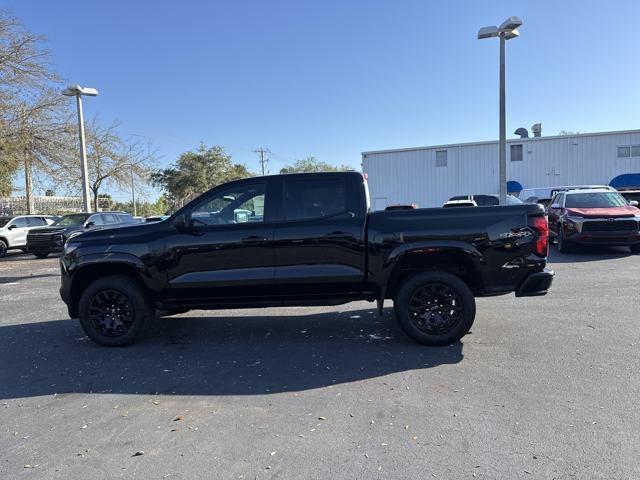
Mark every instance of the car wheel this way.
pixel 634 248
pixel 3 248
pixel 41 254
pixel 563 247
pixel 435 308
pixel 115 310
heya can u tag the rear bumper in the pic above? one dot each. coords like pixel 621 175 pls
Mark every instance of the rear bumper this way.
pixel 537 283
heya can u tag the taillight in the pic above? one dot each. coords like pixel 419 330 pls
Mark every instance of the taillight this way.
pixel 540 225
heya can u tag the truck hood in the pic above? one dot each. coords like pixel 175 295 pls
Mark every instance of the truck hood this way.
pixel 610 212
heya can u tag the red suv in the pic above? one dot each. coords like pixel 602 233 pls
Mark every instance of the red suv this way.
pixel 594 217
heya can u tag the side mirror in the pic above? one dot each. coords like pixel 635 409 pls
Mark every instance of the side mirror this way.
pixel 633 203
pixel 181 224
pixel 11 227
pixel 89 224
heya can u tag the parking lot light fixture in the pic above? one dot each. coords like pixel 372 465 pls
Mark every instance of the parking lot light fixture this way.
pixel 507 30
pixel 78 91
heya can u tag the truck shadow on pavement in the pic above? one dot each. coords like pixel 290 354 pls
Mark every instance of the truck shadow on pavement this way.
pixel 222 355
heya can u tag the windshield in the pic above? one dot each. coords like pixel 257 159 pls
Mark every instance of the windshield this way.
pixel 73 219
pixel 595 200
pixel 4 221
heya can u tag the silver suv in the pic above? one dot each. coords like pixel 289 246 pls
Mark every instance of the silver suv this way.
pixel 13 230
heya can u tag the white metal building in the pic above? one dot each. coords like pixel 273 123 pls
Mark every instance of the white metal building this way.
pixel 429 176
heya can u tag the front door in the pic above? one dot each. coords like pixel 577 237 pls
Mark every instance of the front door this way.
pixel 227 253
pixel 319 241
pixel 18 229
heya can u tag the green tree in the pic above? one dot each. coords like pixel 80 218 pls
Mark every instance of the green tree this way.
pixel 196 172
pixel 312 164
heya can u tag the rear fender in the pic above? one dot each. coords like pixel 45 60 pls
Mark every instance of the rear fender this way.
pixel 428 248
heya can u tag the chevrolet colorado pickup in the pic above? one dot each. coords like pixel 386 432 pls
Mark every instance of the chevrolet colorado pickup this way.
pixel 304 239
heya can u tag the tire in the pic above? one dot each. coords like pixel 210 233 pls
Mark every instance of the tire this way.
pixel 634 248
pixel 115 293
pixel 563 247
pixel 3 248
pixel 41 254
pixel 441 328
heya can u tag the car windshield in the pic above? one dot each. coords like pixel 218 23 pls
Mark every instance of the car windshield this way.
pixel 73 219
pixel 4 221
pixel 595 200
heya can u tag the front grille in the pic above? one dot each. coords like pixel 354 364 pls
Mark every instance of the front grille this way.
pixel 610 226
pixel 43 239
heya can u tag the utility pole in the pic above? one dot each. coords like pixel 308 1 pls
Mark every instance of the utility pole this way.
pixel 263 159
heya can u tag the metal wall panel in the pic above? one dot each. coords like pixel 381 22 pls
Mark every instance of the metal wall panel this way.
pixel 411 176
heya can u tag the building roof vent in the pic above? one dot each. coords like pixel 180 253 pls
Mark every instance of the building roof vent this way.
pixel 522 132
pixel 536 129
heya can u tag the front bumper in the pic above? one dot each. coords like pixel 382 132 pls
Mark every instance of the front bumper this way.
pixel 536 284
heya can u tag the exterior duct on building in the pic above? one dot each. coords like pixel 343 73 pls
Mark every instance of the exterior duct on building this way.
pixel 536 129
pixel 522 132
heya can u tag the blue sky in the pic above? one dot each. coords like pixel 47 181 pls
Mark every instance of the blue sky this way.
pixel 335 78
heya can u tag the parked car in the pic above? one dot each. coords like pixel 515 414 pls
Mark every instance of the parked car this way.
pixel 13 230
pixel 594 217
pixel 43 241
pixel 409 206
pixel 459 203
pixel 157 218
pixel 316 244
pixel 543 195
pixel 630 194
pixel 484 200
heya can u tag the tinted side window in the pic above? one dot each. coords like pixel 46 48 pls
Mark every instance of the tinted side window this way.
pixel 125 218
pixel 36 221
pixel 241 204
pixel 109 218
pixel 96 219
pixel 20 222
pixel 306 199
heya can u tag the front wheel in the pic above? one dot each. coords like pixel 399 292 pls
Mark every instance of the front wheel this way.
pixel 563 246
pixel 115 310
pixel 435 308
pixel 3 248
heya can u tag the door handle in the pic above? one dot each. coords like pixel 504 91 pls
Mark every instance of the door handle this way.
pixel 254 239
pixel 339 235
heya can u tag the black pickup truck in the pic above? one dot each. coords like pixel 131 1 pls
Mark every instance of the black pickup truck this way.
pixel 305 239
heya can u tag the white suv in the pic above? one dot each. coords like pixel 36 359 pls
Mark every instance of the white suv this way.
pixel 13 230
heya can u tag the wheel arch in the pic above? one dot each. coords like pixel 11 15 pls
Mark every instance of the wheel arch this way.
pixel 87 274
pixel 456 258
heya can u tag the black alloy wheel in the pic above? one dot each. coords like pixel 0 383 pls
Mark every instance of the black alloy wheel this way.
pixel 435 308
pixel 110 313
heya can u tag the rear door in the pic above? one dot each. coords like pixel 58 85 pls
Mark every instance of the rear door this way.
pixel 17 231
pixel 319 240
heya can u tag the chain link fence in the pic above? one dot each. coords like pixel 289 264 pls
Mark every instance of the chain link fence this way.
pixel 46 205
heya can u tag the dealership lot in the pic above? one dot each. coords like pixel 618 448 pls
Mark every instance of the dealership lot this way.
pixel 543 387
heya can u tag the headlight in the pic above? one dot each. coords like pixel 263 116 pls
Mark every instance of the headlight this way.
pixel 70 247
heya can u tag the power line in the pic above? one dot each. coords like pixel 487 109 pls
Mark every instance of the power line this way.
pixel 263 158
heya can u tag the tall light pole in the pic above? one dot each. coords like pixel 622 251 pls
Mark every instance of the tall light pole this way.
pixel 133 191
pixel 506 31
pixel 78 91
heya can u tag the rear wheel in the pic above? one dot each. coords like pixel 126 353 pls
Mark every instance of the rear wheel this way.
pixel 3 248
pixel 41 253
pixel 435 308
pixel 115 310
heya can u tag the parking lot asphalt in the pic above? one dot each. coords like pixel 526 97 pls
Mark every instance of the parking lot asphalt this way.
pixel 542 387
